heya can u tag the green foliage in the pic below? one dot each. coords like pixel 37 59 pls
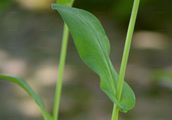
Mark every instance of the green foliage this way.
pixel 30 92
pixel 5 3
pixel 162 77
pixel 121 9
pixel 93 47
pixel 65 2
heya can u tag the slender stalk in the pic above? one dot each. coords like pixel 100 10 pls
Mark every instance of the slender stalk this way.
pixel 63 53
pixel 125 56
pixel 60 73
pixel 115 113
pixel 127 47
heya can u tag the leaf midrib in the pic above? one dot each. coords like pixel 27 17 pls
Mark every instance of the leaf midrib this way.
pixel 101 48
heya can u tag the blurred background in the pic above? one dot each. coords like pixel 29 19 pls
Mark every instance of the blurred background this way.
pixel 30 38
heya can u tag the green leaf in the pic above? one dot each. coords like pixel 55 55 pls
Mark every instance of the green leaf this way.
pixel 93 47
pixel 65 2
pixel 30 92
pixel 5 4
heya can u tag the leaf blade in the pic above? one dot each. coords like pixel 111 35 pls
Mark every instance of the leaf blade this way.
pixel 96 63
pixel 93 47
pixel 29 91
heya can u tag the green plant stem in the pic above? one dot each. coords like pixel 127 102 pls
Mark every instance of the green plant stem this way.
pixel 63 53
pixel 115 113
pixel 60 73
pixel 125 56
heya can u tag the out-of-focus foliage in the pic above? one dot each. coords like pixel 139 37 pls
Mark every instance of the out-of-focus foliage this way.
pixel 4 4
pixel 163 77
pixel 26 87
pixel 121 9
pixel 152 15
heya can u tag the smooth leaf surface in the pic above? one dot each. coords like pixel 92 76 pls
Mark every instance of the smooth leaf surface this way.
pixel 30 92
pixel 93 47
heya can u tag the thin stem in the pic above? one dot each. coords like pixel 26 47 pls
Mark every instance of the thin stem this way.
pixel 125 56
pixel 60 73
pixel 63 53
pixel 115 113
pixel 127 47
